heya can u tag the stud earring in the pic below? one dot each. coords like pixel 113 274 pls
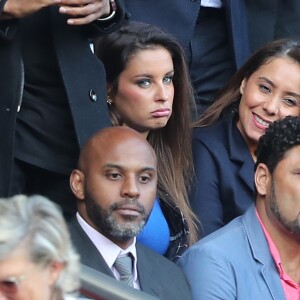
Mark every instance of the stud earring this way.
pixel 108 100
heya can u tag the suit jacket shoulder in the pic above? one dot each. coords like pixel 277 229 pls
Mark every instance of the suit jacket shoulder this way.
pixel 223 133
pixel 233 263
pixel 224 168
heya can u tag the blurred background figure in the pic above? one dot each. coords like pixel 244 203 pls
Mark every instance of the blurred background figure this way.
pixel 149 90
pixel 265 89
pixel 37 260
pixel 52 91
pixel 270 20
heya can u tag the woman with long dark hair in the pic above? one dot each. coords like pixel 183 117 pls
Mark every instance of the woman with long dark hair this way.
pixel 149 90
pixel 265 89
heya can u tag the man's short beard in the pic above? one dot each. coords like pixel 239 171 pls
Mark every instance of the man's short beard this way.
pixel 292 226
pixel 122 232
pixel 105 222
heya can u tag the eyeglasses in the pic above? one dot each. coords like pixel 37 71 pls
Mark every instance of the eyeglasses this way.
pixel 10 285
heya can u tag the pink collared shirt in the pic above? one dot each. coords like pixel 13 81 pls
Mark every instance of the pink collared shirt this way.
pixel 109 250
pixel 291 289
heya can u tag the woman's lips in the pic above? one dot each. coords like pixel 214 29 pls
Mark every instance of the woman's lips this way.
pixel 163 112
pixel 261 123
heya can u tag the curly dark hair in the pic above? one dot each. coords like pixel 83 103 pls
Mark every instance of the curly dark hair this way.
pixel 281 136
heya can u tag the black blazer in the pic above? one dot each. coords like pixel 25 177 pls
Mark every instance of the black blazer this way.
pixel 157 275
pixel 272 19
pixel 224 167
pixel 82 73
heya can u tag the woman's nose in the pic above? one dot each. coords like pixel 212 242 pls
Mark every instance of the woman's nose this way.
pixel 271 106
pixel 162 93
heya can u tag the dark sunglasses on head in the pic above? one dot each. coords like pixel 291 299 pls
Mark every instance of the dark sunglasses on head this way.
pixel 10 285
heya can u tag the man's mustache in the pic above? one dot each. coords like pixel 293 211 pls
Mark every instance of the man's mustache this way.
pixel 129 203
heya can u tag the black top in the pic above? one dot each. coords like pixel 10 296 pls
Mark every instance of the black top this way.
pixel 45 134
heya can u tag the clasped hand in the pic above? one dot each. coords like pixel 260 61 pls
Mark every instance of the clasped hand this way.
pixel 80 11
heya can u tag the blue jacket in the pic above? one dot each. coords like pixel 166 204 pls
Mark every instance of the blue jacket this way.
pixel 224 184
pixel 233 263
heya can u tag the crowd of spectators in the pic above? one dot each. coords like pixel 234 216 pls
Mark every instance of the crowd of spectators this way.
pixel 166 135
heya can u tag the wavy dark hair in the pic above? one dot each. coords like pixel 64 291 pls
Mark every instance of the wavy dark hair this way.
pixel 228 99
pixel 171 143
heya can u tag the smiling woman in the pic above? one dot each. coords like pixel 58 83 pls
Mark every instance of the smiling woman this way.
pixel 265 89
pixel 149 90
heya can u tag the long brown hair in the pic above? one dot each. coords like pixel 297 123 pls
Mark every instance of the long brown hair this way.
pixel 171 143
pixel 229 98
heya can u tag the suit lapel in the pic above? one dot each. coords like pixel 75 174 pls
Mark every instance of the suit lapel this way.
pixel 146 275
pixel 246 172
pixel 239 152
pixel 89 254
pixel 236 17
pixel 274 286
pixel 261 253
pixel 262 17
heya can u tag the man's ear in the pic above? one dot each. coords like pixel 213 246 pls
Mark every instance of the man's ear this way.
pixel 77 181
pixel 262 177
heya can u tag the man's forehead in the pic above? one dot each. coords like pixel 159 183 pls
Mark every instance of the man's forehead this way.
pixel 127 149
pixel 291 157
pixel 292 153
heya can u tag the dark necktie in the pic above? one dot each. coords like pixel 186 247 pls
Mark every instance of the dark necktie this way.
pixel 123 265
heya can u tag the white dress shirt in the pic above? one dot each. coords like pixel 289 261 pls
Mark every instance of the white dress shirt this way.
pixel 109 250
pixel 212 3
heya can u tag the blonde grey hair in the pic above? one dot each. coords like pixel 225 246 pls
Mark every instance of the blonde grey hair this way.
pixel 38 224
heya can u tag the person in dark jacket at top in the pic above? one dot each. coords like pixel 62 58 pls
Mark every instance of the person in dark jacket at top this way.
pixel 52 91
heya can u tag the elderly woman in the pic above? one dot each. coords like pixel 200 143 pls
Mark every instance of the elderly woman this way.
pixel 37 260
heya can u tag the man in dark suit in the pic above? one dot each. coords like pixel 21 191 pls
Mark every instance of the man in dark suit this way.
pixel 115 185
pixel 52 91
pixel 213 34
